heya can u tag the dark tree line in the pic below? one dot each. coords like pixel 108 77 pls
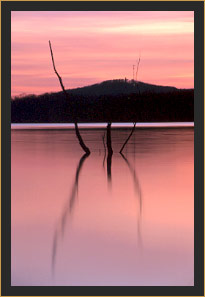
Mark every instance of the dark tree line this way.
pixel 148 107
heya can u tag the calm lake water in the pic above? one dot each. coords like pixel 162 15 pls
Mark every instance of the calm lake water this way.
pixel 76 223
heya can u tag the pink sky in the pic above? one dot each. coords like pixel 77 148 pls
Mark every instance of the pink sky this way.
pixel 91 47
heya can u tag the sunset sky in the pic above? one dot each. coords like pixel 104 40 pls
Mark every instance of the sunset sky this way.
pixel 91 47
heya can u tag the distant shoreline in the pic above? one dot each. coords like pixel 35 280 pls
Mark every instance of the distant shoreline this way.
pixel 91 126
pixel 110 101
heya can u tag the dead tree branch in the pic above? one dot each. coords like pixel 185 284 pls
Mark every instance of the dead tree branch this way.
pixel 109 141
pixel 81 142
pixel 126 141
pixel 138 63
pixel 110 152
pixel 54 67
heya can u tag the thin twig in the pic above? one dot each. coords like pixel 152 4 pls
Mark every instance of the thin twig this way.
pixel 137 72
pixel 126 141
pixel 138 63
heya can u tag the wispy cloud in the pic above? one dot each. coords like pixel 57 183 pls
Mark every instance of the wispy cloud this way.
pixel 101 45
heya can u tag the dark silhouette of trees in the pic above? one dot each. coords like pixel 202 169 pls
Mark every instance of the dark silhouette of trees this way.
pixel 177 106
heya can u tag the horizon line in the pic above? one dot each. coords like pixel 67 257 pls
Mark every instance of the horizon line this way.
pixel 21 95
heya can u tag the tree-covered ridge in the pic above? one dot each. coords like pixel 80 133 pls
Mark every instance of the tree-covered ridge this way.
pixel 115 101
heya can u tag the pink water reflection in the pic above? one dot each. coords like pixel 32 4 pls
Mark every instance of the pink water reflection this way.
pixel 137 231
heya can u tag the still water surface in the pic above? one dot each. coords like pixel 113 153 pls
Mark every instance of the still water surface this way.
pixel 75 223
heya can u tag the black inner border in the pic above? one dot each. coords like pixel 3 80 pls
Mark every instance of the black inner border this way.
pixel 198 288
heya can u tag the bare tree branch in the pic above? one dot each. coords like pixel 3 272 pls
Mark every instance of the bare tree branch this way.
pixel 54 67
pixel 138 63
pixel 81 142
pixel 126 141
pixel 109 141
pixel 110 152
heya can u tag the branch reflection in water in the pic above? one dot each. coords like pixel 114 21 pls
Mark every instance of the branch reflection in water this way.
pixel 69 206
pixel 103 139
pixel 110 153
pixel 138 193
pixel 67 210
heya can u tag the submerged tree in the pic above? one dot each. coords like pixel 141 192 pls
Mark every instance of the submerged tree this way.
pixel 109 141
pixel 110 152
pixel 81 142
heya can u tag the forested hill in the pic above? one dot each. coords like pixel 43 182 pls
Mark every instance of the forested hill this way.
pixel 115 101
pixel 119 87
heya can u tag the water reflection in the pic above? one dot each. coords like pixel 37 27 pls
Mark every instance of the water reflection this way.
pixel 103 140
pixel 86 234
pixel 69 205
pixel 138 193
pixel 68 209
pixel 109 167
